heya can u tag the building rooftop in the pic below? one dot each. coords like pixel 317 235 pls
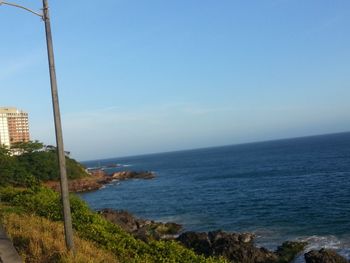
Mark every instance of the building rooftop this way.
pixel 10 110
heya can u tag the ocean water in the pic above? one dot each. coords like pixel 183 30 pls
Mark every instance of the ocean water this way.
pixel 295 189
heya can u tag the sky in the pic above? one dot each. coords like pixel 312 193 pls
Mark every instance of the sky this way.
pixel 138 77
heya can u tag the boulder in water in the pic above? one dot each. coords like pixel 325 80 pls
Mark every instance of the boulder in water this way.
pixel 124 175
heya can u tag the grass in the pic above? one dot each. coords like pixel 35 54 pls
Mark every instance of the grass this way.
pixel 40 240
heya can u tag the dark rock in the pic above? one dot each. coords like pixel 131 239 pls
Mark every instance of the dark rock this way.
pixel 142 229
pixel 146 234
pixel 235 247
pixel 89 183
pixel 289 250
pixel 98 178
pixel 122 218
pixel 171 229
pixel 238 247
pixel 199 242
pixel 324 256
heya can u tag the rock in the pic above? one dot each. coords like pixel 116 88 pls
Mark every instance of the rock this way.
pixel 233 246
pixel 88 183
pixel 199 242
pixel 238 247
pixel 171 229
pixel 142 229
pixel 145 234
pixel 246 237
pixel 121 218
pixel 97 178
pixel 324 256
pixel 132 175
pixel 289 250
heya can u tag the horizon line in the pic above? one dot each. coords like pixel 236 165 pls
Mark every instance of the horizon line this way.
pixel 219 146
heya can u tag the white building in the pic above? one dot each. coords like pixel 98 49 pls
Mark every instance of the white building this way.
pixel 4 130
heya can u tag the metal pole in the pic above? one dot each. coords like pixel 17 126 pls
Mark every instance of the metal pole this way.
pixel 58 129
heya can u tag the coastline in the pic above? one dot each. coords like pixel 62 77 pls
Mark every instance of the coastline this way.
pixel 97 179
pixel 230 245
pixel 235 247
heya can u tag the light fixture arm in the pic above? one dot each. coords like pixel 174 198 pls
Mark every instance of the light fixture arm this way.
pixel 22 7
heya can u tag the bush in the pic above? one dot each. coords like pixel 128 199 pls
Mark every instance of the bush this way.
pixel 43 165
pixel 33 165
pixel 13 173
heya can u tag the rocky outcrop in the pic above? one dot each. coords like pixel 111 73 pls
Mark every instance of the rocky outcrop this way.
pixel 88 183
pixel 238 247
pixel 289 250
pixel 324 256
pixel 97 179
pixel 132 175
pixel 142 229
pixel 235 247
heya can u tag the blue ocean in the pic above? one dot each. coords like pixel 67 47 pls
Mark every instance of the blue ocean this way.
pixel 294 189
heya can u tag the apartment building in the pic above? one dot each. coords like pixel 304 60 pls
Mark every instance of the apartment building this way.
pixel 14 126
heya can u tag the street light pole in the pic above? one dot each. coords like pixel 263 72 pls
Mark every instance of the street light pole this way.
pixel 68 229
pixel 58 129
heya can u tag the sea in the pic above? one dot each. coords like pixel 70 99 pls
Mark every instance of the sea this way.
pixel 291 189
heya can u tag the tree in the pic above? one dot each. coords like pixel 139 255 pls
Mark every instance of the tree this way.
pixel 4 150
pixel 27 147
pixel 12 172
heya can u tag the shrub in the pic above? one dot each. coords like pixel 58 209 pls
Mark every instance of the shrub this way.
pixel 43 165
pixel 33 165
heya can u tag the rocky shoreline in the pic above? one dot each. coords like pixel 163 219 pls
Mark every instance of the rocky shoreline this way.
pixel 235 247
pixel 98 178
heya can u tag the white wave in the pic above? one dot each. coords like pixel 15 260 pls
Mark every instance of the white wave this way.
pixel 115 182
pixel 318 242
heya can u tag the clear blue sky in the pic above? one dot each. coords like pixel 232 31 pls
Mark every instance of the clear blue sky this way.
pixel 150 76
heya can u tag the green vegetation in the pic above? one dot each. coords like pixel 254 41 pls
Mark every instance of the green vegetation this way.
pixel 35 163
pixel 90 226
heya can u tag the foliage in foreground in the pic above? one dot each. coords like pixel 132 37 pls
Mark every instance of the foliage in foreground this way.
pixel 91 226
